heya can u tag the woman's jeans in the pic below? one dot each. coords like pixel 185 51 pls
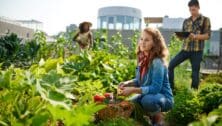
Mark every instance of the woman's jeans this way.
pixel 153 103
pixel 195 60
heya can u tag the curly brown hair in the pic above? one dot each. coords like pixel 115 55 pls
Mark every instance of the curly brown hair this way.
pixel 159 48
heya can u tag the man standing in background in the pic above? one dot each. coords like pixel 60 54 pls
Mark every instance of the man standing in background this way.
pixel 200 29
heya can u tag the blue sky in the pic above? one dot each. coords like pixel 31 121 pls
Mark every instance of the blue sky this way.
pixel 57 14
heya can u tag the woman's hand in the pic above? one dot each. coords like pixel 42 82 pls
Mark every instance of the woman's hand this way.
pixel 126 91
pixel 122 85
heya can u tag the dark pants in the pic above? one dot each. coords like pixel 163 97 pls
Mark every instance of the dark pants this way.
pixel 195 60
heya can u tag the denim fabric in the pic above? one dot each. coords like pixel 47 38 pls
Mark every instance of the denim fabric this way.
pixel 156 92
pixel 155 80
pixel 153 103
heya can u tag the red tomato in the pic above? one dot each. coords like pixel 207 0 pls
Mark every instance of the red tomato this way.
pixel 108 95
pixel 98 98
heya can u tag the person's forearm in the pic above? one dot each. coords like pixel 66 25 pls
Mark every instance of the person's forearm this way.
pixel 74 38
pixel 202 37
pixel 130 83
pixel 91 44
pixel 137 90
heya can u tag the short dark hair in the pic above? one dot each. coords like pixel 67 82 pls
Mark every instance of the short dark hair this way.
pixel 193 3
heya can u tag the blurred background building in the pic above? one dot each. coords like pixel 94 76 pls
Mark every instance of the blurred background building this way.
pixel 33 24
pixel 25 29
pixel 12 26
pixel 119 18
pixel 122 19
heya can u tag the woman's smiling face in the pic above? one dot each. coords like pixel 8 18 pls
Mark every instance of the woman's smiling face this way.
pixel 146 42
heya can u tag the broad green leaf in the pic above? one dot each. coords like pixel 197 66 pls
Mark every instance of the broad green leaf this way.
pixel 40 119
pixel 54 95
pixel 52 64
pixel 107 67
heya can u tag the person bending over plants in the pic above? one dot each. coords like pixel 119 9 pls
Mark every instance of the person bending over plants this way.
pixel 84 36
pixel 151 82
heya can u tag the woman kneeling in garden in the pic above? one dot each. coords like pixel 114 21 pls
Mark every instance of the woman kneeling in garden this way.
pixel 151 82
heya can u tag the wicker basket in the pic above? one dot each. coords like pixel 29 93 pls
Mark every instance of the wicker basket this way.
pixel 114 110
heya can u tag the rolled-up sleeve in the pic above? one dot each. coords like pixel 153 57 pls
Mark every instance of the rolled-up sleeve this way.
pixel 184 25
pixel 135 81
pixel 156 78
pixel 145 89
pixel 207 26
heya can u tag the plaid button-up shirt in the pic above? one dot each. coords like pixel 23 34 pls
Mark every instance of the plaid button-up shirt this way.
pixel 200 26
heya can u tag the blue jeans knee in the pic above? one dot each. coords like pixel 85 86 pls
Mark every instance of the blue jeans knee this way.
pixel 154 103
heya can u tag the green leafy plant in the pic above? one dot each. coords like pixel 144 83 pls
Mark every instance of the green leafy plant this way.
pixel 45 84
pixel 214 118
pixel 133 45
pixel 213 78
pixel 78 116
pixel 101 40
pixel 211 96
pixel 9 46
pixel 116 45
pixel 186 109
pixel 108 68
pixel 19 100
pixel 18 52
pixel 118 122
pixel 28 97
